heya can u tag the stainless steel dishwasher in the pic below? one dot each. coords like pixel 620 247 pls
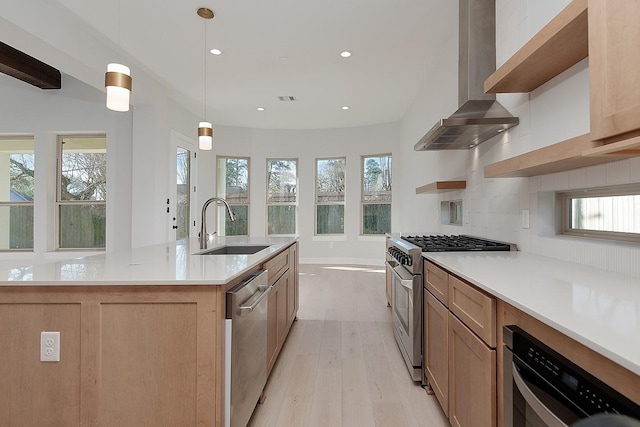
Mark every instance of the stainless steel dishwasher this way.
pixel 245 348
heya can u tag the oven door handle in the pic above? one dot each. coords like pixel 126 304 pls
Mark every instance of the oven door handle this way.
pixel 407 283
pixel 538 407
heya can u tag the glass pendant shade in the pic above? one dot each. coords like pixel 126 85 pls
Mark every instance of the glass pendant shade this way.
pixel 205 136
pixel 117 80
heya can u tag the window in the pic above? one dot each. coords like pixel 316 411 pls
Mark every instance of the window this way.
pixel 16 202
pixel 233 185
pixel 330 195
pixel 376 194
pixel 183 199
pixel 282 196
pixel 608 213
pixel 82 192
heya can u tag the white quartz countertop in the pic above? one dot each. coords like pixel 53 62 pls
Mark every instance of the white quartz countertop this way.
pixel 172 263
pixel 597 308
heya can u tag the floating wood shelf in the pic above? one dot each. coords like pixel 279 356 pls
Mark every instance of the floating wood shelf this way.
pixel 441 186
pixel 573 153
pixel 562 43
pixel 621 149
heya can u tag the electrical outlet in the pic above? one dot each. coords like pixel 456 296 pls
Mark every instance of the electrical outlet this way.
pixel 50 346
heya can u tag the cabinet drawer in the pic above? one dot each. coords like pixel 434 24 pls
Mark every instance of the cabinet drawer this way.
pixel 277 266
pixel 474 308
pixel 436 281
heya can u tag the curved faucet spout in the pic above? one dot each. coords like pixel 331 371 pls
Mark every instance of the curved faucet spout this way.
pixel 204 237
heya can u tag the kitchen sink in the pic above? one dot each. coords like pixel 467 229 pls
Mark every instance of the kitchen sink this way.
pixel 234 250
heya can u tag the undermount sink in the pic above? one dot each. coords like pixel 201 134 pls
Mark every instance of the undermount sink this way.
pixel 234 250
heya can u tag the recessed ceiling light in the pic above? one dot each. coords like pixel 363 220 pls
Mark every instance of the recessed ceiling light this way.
pixel 216 51
pixel 345 54
pixel 260 108
pixel 345 107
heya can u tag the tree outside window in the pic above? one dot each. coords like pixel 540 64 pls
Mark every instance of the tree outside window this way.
pixel 82 192
pixel 376 194
pixel 233 185
pixel 17 166
pixel 330 195
pixel 282 194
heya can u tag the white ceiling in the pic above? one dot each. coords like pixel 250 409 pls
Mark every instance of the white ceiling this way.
pixel 283 47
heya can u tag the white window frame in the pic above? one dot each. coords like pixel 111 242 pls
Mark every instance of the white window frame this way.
pixel 564 199
pixel 220 209
pixel 362 192
pixel 10 203
pixel 269 204
pixel 315 199
pixel 60 202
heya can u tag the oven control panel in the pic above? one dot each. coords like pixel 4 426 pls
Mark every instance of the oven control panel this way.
pixel 590 394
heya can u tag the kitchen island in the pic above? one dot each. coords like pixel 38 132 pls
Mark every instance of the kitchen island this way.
pixel 141 333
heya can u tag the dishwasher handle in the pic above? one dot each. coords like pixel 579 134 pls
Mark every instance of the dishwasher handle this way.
pixel 262 293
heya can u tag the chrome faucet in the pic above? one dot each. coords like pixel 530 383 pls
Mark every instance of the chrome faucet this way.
pixel 203 236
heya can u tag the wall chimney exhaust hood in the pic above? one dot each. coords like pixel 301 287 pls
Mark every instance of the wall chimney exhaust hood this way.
pixel 480 117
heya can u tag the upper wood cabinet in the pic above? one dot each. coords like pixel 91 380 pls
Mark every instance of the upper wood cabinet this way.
pixel 614 67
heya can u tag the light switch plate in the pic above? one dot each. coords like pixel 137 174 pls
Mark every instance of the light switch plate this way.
pixel 525 218
pixel 49 346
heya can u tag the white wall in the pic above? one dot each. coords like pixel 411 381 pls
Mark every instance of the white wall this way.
pixel 306 146
pixel 556 111
pixel 75 109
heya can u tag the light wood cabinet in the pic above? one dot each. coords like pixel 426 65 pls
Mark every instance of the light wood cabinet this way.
pixel 459 336
pixel 292 290
pixel 129 355
pixel 436 349
pixel 614 67
pixel 282 300
pixel 437 281
pixel 476 309
pixel 472 378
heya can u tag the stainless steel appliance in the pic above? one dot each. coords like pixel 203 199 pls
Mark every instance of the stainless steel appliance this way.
pixel 543 388
pixel 405 270
pixel 245 348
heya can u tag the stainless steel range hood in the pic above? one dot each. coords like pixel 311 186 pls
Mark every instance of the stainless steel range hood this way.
pixel 480 117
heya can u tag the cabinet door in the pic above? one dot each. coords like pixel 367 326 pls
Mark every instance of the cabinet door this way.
pixel 272 327
pixel 476 309
pixel 472 378
pixel 437 282
pixel 283 292
pixel 436 366
pixel 292 293
pixel 614 64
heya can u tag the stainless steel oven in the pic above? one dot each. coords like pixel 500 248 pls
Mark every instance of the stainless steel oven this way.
pixel 544 389
pixel 405 272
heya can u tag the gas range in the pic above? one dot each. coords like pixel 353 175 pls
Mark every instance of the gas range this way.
pixel 404 266
pixel 453 243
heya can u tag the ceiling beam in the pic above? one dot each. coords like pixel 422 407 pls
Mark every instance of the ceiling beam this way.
pixel 28 69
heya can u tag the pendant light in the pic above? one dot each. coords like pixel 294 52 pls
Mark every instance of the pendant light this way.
pixel 117 80
pixel 205 130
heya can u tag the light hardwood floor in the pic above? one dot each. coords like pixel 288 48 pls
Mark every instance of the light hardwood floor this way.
pixel 340 365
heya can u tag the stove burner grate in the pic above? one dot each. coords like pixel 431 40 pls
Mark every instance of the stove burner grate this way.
pixel 444 243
